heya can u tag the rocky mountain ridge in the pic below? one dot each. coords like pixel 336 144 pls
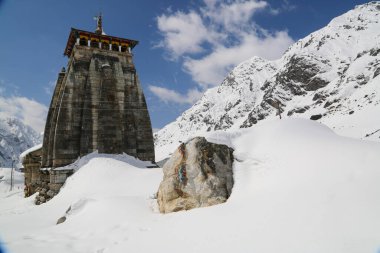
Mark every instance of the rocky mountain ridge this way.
pixel 331 75
pixel 15 138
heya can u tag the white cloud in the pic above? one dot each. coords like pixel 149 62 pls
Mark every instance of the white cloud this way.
pixel 6 86
pixel 213 68
pixel 168 95
pixel 184 33
pixel 30 112
pixel 232 15
pixel 285 6
pixel 213 39
pixel 210 3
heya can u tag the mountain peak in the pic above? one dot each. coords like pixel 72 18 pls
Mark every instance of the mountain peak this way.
pixel 15 137
pixel 373 5
pixel 331 75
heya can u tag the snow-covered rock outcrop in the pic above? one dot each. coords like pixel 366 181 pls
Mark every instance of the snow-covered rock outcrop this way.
pixel 15 138
pixel 334 72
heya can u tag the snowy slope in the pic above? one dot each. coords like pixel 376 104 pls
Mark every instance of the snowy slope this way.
pixel 298 188
pixel 334 72
pixel 15 138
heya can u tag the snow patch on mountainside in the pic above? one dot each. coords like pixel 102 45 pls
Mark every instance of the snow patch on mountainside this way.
pixel 334 74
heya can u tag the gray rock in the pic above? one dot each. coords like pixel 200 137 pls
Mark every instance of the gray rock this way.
pixel 43 191
pixel 51 193
pixel 198 174
pixel 61 220
pixel 42 199
pixel 320 96
pixel 315 84
pixel 316 117
pixel 298 110
pixel 376 73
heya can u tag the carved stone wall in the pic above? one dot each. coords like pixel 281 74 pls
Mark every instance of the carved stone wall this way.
pixel 32 165
pixel 98 104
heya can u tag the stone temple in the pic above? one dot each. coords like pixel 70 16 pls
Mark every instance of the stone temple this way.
pixel 97 105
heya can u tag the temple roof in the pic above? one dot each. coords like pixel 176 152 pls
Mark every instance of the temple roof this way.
pixel 76 33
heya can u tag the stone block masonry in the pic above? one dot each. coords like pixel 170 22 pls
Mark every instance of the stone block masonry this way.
pixel 97 105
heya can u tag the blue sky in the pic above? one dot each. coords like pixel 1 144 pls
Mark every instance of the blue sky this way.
pixel 185 46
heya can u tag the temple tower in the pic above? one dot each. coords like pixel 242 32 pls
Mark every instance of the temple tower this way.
pixel 98 103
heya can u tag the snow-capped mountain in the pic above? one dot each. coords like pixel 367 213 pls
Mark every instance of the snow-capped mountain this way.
pixel 15 137
pixel 332 75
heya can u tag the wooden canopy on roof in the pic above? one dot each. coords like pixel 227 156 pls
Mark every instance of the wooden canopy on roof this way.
pixel 75 33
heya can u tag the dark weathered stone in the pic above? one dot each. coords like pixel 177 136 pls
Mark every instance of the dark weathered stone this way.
pixel 328 103
pixel 42 199
pixel 374 51
pixel 32 164
pixel 376 73
pixel 320 96
pixel 316 117
pixel 298 110
pixel 97 105
pixel 61 220
pixel 250 121
pixel 315 84
pixel 51 193
pixel 43 191
pixel 300 70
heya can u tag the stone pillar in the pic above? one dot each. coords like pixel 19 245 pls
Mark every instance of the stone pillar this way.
pixel 77 42
pixel 119 48
pixel 100 44
pixel 110 46
pixel 89 43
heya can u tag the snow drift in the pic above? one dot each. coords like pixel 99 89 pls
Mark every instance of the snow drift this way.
pixel 298 188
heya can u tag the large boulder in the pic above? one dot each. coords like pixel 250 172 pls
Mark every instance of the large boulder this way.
pixel 198 174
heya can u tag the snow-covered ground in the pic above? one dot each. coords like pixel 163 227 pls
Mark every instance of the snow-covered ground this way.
pixel 5 181
pixel 299 188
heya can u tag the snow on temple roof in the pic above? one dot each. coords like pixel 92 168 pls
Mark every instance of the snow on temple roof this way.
pixel 26 152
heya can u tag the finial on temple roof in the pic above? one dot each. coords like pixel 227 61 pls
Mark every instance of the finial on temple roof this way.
pixel 99 28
